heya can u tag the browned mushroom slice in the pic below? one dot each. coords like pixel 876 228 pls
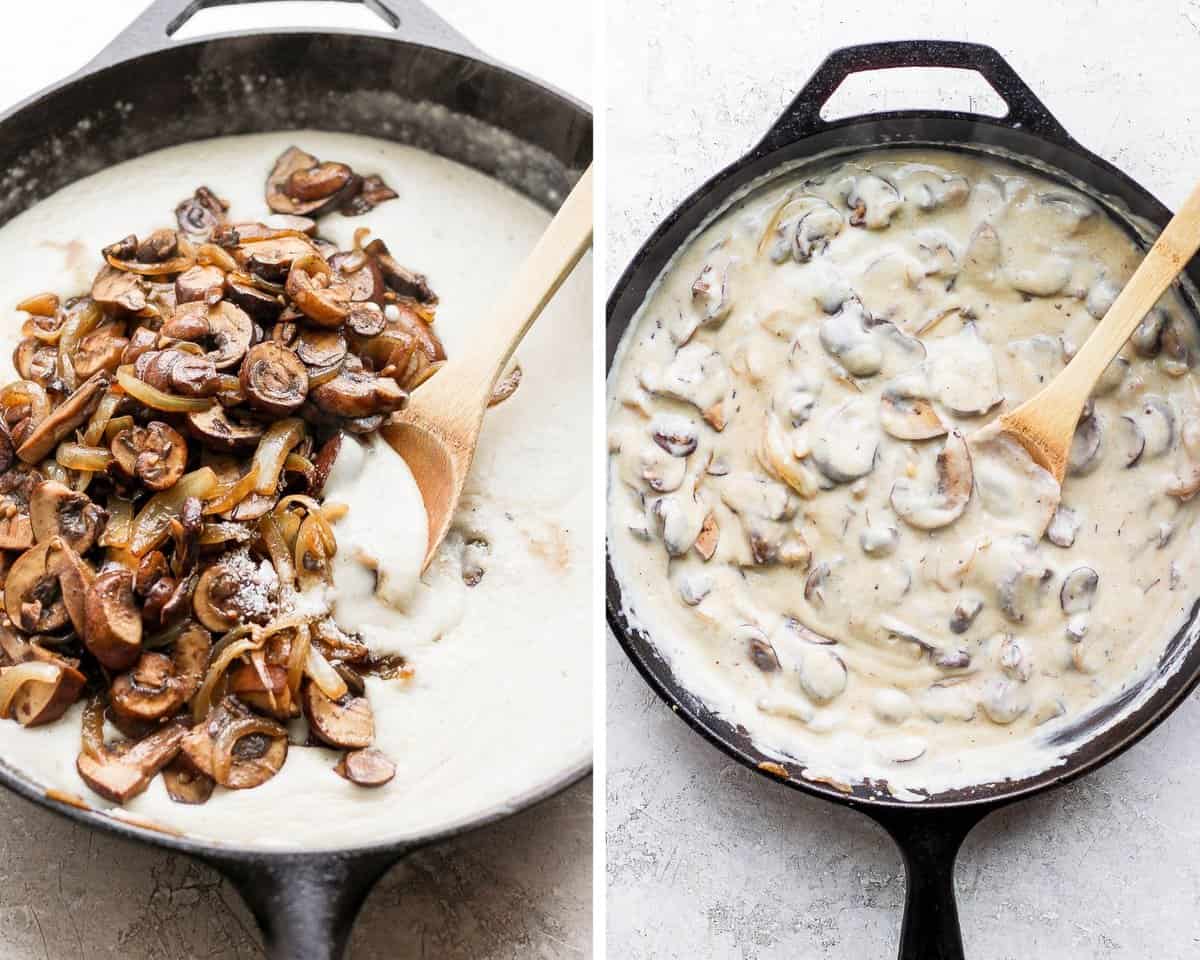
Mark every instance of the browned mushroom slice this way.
pixel 407 283
pixel 323 463
pixel 141 341
pixel 299 184
pixel 372 193
pixel 16 487
pixel 157 247
pixel 314 294
pixel 200 283
pixel 36 361
pixel 156 454
pixel 200 214
pixel 112 624
pixel 271 257
pixel 149 690
pixel 321 348
pixel 266 690
pixel 55 510
pixel 235 747
pixel 229 592
pixel 119 773
pixel 40 701
pixel 186 784
pixel 356 393
pixel 261 305
pixel 367 768
pixel 347 723
pixel 63 420
pixel 216 429
pixel 928 509
pixel 273 378
pixel 119 289
pixel 226 326
pixel 366 319
pixel 362 274
pixel 101 349
pixel 75 577
pixel 32 596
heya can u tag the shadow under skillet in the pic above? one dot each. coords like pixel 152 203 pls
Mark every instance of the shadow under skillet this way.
pixel 518 889
pixel 706 858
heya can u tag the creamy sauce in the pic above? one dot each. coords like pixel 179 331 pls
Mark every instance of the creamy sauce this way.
pixel 499 699
pixel 803 516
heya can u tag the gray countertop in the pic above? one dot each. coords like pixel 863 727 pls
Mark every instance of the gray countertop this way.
pixel 518 890
pixel 706 859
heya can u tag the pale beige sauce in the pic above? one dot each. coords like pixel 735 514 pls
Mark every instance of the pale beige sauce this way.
pixel 499 699
pixel 855 615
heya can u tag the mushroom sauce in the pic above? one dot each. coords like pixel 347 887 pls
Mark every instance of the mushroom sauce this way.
pixel 802 520
pixel 485 695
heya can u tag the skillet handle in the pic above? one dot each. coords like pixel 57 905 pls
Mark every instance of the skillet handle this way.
pixel 153 29
pixel 305 904
pixel 803 116
pixel 929 841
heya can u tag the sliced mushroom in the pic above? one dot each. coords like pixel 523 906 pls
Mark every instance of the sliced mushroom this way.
pixel 758 648
pixel 1020 588
pixel 965 612
pixel 225 597
pixel 32 596
pixel 403 281
pixel 1078 591
pixel 348 724
pixel 17 483
pixel 367 768
pixel 846 338
pixel 821 672
pixel 156 454
pixel 814 231
pixel 908 417
pixel 846 442
pixel 226 325
pixel 55 510
pixel 963 373
pixel 300 185
pixel 200 283
pixel 201 214
pixel 100 350
pixel 1112 377
pixel 710 293
pixel 311 291
pixel 675 434
pixel 235 747
pixel 274 379
pixel 36 703
pixel 119 289
pixel 1063 527
pixel 1146 339
pixel 75 577
pixel 931 509
pixel 122 772
pixel 186 784
pixel 1004 700
pixel 1132 441
pixel 1154 430
pixel 873 200
pixel 321 348
pixel 1085 446
pixel 215 427
pixel 112 623
pixel 64 419
pixel 356 393
pixel 879 540
pixel 260 305
pixel 149 691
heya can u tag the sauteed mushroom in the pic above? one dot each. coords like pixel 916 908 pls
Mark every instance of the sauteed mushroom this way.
pixel 156 454
pixel 113 625
pixel 274 378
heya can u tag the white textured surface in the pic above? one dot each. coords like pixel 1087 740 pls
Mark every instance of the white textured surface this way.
pixel 518 890
pixel 706 859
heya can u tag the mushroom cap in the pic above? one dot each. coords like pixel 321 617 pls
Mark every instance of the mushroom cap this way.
pixel 348 723
pixel 273 378
pixel 931 509
pixel 112 623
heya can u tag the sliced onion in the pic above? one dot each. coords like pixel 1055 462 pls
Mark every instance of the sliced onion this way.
pixel 78 456
pixel 119 529
pixel 26 392
pixel 276 443
pixel 53 470
pixel 323 675
pixel 152 524
pixel 159 399
pixel 202 701
pixel 77 326
pixel 40 305
pixel 176 264
pixel 13 679
pixel 297 657
pixel 313 540
pixel 333 512
pixel 92 733
pixel 102 416
pixel 277 549
pixel 210 253
pixel 229 736
pixel 115 426
pixel 229 495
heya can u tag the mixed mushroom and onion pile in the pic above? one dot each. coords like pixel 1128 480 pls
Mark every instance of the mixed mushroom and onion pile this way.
pixel 795 486
pixel 164 547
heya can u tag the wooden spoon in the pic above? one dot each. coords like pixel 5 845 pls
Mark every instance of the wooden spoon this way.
pixel 437 432
pixel 1045 423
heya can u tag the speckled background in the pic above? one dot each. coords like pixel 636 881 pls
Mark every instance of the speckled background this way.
pixel 518 890
pixel 706 859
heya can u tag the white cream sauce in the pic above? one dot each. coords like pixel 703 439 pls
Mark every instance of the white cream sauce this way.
pixel 796 516
pixel 500 697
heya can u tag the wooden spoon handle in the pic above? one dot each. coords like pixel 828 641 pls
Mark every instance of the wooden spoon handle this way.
pixel 535 283
pixel 1171 252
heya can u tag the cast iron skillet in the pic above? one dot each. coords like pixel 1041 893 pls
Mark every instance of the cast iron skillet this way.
pixel 929 833
pixel 421 85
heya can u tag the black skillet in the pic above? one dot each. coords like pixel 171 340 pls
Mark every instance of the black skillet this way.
pixel 929 833
pixel 419 84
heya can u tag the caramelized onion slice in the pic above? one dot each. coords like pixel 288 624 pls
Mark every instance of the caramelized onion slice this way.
pixel 152 524
pixel 159 399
